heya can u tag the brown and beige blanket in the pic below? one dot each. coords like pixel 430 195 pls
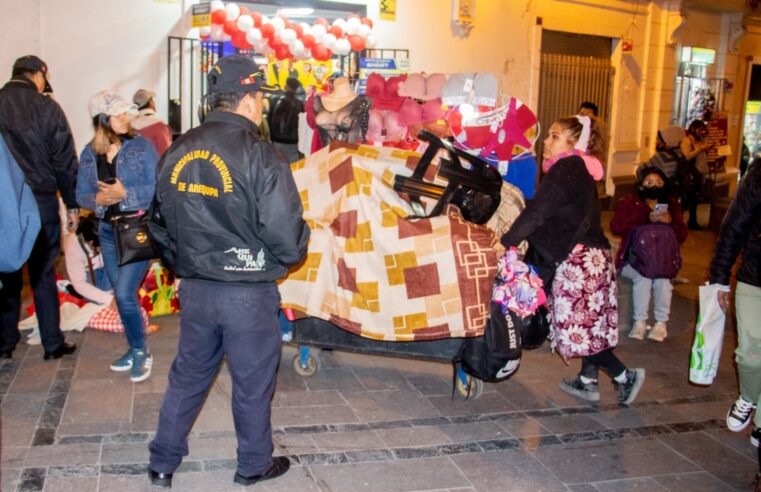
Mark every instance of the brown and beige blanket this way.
pixel 375 273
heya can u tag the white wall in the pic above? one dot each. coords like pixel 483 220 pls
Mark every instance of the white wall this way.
pixel 91 45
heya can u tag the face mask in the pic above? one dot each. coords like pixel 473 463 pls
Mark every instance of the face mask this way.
pixel 652 192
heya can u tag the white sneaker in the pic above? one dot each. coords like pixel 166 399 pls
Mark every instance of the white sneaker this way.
pixel 738 416
pixel 638 330
pixel 659 332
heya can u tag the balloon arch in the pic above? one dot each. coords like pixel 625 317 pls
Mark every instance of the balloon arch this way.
pixel 285 39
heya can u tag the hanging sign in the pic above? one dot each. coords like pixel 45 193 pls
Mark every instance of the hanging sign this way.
pixel 201 15
pixel 466 11
pixel 388 10
pixel 717 135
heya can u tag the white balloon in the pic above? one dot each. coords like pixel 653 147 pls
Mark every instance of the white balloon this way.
pixel 232 10
pixel 265 19
pixel 328 41
pixel 352 25
pixel 340 23
pixel 372 40
pixel 204 30
pixel 342 47
pixel 264 49
pixel 364 30
pixel 319 31
pixel 216 33
pixel 217 5
pixel 296 46
pixel 305 28
pixel 288 35
pixel 253 36
pixel 279 24
pixel 305 55
pixel 245 22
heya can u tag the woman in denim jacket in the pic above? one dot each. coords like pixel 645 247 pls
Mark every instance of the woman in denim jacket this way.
pixel 117 176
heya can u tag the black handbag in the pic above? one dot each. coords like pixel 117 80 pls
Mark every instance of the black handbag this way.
pixel 133 243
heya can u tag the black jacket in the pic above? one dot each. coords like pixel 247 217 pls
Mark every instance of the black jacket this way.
pixel 226 207
pixel 39 137
pixel 551 221
pixel 741 229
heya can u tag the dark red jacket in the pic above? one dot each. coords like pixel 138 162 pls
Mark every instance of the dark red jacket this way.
pixel 632 212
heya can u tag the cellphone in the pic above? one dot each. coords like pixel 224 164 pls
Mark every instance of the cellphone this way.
pixel 110 181
pixel 661 207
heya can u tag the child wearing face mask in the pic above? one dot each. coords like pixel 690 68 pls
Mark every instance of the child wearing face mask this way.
pixel 650 203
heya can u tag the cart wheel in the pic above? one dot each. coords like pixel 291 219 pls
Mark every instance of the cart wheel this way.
pixel 469 389
pixel 310 366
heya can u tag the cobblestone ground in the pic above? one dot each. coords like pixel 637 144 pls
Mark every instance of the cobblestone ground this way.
pixel 370 423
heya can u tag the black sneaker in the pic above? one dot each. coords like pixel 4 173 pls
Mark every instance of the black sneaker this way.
pixel 279 466
pixel 738 416
pixel 576 387
pixel 755 436
pixel 629 389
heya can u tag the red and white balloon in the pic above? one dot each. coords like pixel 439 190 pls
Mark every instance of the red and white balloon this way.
pixel 247 30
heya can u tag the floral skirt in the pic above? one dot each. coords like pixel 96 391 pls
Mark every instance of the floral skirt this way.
pixel 583 308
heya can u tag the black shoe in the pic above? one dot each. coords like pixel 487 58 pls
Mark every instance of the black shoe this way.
pixel 279 466
pixel 6 355
pixel 65 348
pixel 755 436
pixel 576 387
pixel 629 389
pixel 160 479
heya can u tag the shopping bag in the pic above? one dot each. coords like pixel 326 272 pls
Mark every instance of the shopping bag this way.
pixel 709 334
pixel 157 294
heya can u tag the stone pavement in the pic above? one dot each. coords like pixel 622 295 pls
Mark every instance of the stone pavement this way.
pixel 370 423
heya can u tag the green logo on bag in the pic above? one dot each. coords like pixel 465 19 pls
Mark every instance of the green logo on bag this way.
pixel 696 359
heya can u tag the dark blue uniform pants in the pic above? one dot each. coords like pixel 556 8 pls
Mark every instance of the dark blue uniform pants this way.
pixel 239 322
pixel 41 265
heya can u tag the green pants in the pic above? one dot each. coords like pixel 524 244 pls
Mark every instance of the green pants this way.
pixel 748 353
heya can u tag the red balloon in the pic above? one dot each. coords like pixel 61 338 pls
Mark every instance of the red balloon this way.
pixel 308 40
pixel 230 27
pixel 275 42
pixel 282 52
pixel 239 40
pixel 366 21
pixel 321 53
pixel 218 17
pixel 268 30
pixel 357 42
pixel 243 10
pixel 286 22
pixel 322 21
pixel 257 18
pixel 299 30
pixel 336 31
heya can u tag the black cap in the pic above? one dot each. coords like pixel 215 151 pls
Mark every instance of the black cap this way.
pixel 237 73
pixel 33 63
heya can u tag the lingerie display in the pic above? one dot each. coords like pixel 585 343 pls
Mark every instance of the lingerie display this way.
pixel 347 124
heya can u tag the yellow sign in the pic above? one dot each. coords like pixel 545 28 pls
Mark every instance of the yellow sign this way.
pixel 201 15
pixel 311 73
pixel 388 10
pixel 466 11
pixel 753 107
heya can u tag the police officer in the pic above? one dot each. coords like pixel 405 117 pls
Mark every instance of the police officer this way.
pixel 228 220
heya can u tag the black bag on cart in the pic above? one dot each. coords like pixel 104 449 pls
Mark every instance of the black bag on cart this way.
pixel 495 356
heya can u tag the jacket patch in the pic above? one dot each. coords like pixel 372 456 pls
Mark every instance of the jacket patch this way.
pixel 245 256
pixel 207 156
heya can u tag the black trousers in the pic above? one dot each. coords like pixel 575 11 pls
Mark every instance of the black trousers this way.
pixel 41 265
pixel 591 364
pixel 240 323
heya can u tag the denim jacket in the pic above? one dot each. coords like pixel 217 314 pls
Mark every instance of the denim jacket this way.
pixel 135 168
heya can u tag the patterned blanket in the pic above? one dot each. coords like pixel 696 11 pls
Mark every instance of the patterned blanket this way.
pixel 373 272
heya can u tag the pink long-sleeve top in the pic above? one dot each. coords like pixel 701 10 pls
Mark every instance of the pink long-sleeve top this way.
pixel 77 270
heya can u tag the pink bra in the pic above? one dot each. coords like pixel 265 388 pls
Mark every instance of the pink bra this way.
pixel 413 113
pixel 384 92
pixel 385 126
pixel 418 87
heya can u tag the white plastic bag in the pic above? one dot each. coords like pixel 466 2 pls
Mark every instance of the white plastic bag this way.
pixel 709 334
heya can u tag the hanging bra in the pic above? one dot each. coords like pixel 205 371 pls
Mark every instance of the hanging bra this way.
pixel 385 126
pixel 384 92
pixel 479 89
pixel 413 113
pixel 417 86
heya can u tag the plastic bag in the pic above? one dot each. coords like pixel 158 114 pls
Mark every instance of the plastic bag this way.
pixel 709 334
